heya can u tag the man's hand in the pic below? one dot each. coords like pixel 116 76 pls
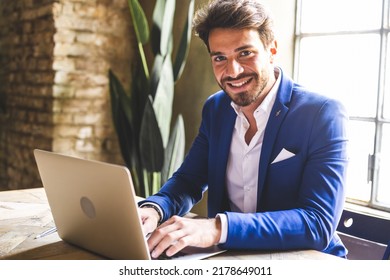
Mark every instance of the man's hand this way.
pixel 149 218
pixel 178 233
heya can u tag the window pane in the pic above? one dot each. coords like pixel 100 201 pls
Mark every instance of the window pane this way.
pixel 386 108
pixel 384 167
pixel 359 149
pixel 388 18
pixel 340 15
pixel 343 67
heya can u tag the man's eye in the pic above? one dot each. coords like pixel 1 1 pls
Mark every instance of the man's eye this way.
pixel 219 58
pixel 246 53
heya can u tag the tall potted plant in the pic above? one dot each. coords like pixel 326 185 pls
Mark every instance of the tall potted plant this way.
pixel 142 117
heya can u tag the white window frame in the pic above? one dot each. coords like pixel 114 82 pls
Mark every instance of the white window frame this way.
pixel 383 81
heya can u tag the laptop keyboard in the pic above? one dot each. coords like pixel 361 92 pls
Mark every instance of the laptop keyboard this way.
pixel 163 256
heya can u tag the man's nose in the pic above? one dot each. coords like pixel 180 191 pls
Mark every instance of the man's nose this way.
pixel 233 68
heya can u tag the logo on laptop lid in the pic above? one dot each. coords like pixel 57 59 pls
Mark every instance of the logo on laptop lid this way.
pixel 87 207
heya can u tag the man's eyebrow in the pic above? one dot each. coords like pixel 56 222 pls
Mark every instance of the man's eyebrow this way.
pixel 215 53
pixel 244 48
pixel 212 53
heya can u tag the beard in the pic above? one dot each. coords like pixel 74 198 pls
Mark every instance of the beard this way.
pixel 250 95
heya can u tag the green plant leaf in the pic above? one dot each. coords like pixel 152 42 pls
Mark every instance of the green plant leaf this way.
pixel 125 131
pixel 157 70
pixel 174 153
pixel 139 95
pixel 140 22
pixel 119 95
pixel 151 144
pixel 120 121
pixel 166 27
pixel 129 151
pixel 163 100
pixel 141 29
pixel 185 40
pixel 155 34
pixel 156 184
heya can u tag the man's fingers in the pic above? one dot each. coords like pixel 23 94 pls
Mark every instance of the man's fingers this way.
pixel 165 236
pixel 178 233
pixel 177 246
pixel 166 242
pixel 149 220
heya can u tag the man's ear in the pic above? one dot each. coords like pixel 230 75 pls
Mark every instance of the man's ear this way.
pixel 274 47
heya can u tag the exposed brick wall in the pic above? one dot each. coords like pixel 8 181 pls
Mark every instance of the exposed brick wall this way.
pixel 55 57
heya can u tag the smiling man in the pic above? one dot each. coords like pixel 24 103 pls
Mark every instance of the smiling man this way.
pixel 271 153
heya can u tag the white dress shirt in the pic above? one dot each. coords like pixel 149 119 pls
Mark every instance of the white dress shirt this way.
pixel 243 164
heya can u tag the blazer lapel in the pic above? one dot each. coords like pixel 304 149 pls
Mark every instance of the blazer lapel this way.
pixel 223 154
pixel 220 149
pixel 275 120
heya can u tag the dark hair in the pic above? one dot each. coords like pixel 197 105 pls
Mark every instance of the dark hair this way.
pixel 238 14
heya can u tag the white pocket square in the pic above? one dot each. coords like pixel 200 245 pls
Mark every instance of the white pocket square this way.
pixel 283 155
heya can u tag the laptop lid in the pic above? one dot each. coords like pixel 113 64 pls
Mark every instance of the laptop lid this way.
pixel 94 206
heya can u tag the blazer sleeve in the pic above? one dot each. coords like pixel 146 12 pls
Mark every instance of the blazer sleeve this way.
pixel 311 221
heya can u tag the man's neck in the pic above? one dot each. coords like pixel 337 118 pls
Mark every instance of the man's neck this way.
pixel 249 110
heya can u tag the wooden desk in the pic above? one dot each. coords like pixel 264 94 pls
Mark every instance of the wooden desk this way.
pixel 25 213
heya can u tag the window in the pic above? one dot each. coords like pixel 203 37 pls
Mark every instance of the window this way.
pixel 343 50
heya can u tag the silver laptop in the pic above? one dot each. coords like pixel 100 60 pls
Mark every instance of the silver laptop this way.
pixel 94 206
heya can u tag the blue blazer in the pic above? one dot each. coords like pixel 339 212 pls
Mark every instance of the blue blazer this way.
pixel 300 199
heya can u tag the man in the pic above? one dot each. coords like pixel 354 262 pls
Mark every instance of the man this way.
pixel 271 153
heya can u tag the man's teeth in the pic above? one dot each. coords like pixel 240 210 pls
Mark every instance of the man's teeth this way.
pixel 239 84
